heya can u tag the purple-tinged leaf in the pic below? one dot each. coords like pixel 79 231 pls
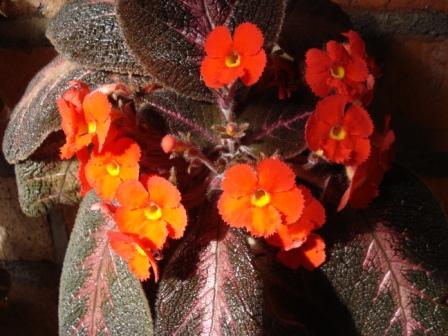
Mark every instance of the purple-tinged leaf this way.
pixel 275 125
pixel 167 37
pixel 210 286
pixel 310 24
pixel 98 295
pixel 44 184
pixel 87 32
pixel 184 115
pixel 36 114
pixel 388 264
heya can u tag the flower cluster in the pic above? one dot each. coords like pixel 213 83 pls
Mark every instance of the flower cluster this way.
pixel 267 202
pixel 340 129
pixel 146 208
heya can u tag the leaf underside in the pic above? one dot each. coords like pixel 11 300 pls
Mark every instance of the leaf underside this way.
pixel 36 115
pixel 209 286
pixel 44 184
pixel 98 295
pixel 185 115
pixel 391 268
pixel 87 32
pixel 167 37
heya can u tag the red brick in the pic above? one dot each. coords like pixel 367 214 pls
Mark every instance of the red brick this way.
pixel 441 5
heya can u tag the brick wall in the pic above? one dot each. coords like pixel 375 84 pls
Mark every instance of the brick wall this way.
pixel 409 38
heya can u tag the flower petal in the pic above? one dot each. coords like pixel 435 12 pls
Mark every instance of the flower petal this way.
pixel 318 65
pixel 330 110
pixel 132 194
pixel 275 176
pixel 357 121
pixel 155 231
pixel 163 193
pixel 239 180
pixel 265 221
pixel 310 255
pixel 97 108
pixel 248 39
pixel 289 203
pixel 253 68
pixel 219 42
pixel 236 212
pixel 177 221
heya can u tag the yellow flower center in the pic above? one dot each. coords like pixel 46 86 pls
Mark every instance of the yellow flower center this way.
pixel 233 60
pixel 153 212
pixel 113 169
pixel 140 250
pixel 338 72
pixel 338 133
pixel 260 198
pixel 91 127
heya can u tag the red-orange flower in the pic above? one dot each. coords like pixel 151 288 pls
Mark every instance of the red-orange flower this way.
pixel 227 59
pixel 83 156
pixel 153 212
pixel 260 200
pixel 118 162
pixel 340 131
pixel 137 253
pixel 310 255
pixel 366 178
pixel 342 69
pixel 84 117
pixel 290 236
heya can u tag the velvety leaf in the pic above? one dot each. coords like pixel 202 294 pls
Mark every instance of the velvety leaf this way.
pixel 98 295
pixel 87 32
pixel 184 115
pixel 275 125
pixel 167 37
pixel 209 286
pixel 388 264
pixel 309 24
pixel 45 184
pixel 36 114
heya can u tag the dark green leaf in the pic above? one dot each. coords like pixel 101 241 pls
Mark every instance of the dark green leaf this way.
pixel 167 37
pixel 388 264
pixel 36 114
pixel 185 115
pixel 210 286
pixel 275 125
pixel 87 32
pixel 44 184
pixel 98 295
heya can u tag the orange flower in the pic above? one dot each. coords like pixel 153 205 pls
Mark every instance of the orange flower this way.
pixel 366 178
pixel 294 235
pixel 340 131
pixel 136 252
pixel 260 200
pixel 227 59
pixel 310 255
pixel 154 212
pixel 84 117
pixel 118 162
pixel 83 157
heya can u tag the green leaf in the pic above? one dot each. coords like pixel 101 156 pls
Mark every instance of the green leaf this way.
pixel 98 295
pixel 36 114
pixel 87 32
pixel 185 115
pixel 388 264
pixel 45 184
pixel 167 37
pixel 210 286
pixel 275 125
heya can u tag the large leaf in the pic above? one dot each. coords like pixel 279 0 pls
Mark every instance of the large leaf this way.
pixel 88 32
pixel 310 24
pixel 389 264
pixel 36 115
pixel 167 37
pixel 44 184
pixel 275 125
pixel 209 286
pixel 185 115
pixel 98 295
